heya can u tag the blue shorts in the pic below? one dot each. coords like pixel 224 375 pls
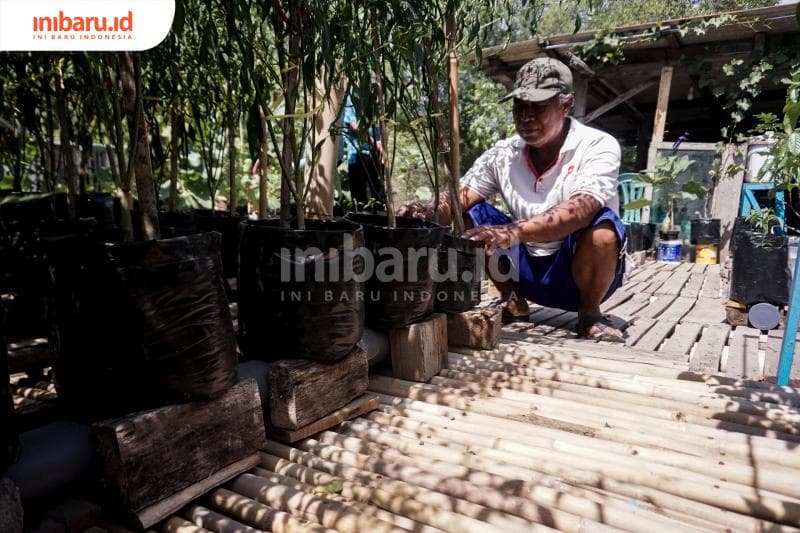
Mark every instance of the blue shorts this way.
pixel 548 280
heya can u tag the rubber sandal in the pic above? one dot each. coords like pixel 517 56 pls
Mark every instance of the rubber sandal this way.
pixel 604 325
pixel 506 317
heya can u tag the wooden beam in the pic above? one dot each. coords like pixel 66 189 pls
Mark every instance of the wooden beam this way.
pixel 581 93
pixel 662 104
pixel 624 97
pixel 725 203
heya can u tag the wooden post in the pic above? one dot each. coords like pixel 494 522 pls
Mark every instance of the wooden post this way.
pixel 581 94
pixel 725 204
pixel 302 391
pixel 418 350
pixel 662 104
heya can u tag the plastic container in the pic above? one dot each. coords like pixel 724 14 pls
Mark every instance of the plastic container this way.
pixel 705 231
pixel 757 157
pixel 764 316
pixel 670 251
pixel 706 254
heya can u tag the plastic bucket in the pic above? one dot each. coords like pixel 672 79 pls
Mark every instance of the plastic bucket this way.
pixel 705 254
pixel 669 251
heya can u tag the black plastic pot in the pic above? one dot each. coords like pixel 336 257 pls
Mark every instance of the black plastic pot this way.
pixel 176 223
pixel 460 261
pixel 9 441
pixel 301 293
pixel 705 231
pixel 139 324
pixel 760 266
pixel 668 235
pixel 635 233
pixel 648 236
pixel 229 227
pixel 399 298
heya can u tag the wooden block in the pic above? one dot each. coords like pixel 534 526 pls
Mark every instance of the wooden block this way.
pixel 709 349
pixel 418 350
pixel 476 328
pixel 302 391
pixel 682 339
pixel 736 317
pixel 152 455
pixel 359 406
pixel 743 354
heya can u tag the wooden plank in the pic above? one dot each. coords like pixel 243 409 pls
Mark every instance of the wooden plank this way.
pixel 660 120
pixel 635 331
pixel 657 306
pixel 725 203
pixel 624 97
pixel 657 281
pixel 773 355
pixel 682 339
pixel 630 307
pixel 647 271
pixel 152 455
pixel 706 311
pixel 712 286
pixel 476 328
pixel 619 297
pixel 695 283
pixel 154 514
pixel 675 283
pixel 364 404
pixel 543 314
pixel 709 349
pixel 666 324
pixel 743 354
pixel 303 391
pixel 418 350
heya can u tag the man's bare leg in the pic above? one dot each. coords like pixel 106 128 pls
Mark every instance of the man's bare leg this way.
pixel 593 268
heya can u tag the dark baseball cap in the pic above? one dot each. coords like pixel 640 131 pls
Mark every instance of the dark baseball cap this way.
pixel 541 79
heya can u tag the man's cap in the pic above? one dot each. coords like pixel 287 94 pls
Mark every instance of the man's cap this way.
pixel 541 79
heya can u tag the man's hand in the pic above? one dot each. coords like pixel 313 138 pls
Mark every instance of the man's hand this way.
pixel 503 236
pixel 416 210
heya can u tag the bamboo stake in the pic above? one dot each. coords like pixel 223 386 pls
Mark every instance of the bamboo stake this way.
pixel 543 505
pixel 323 511
pixel 567 411
pixel 260 515
pixel 437 458
pixel 467 441
pixel 638 393
pixel 555 463
pixel 426 506
pixel 177 524
pixel 306 480
pixel 773 480
pixel 683 443
pixel 746 424
pixel 218 523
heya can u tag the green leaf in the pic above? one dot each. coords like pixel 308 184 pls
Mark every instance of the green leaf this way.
pixel 793 142
pixel 637 204
pixel 334 487
pixel 695 189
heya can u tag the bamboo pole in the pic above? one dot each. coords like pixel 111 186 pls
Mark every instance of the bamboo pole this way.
pixel 307 480
pixel 567 411
pixel 323 511
pixel 204 517
pixel 177 524
pixel 259 515
pixel 542 505
pixel 564 465
pixel 773 480
pixel 437 458
pixel 425 506
pixel 682 442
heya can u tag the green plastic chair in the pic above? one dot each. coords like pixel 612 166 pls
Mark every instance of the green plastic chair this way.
pixel 629 191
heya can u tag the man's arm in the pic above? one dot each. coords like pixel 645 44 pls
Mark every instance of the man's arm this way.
pixel 467 198
pixel 551 225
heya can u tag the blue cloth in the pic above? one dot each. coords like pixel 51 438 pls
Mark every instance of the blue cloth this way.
pixel 351 143
pixel 548 280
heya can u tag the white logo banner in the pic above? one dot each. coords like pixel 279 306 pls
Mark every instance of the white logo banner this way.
pixel 91 25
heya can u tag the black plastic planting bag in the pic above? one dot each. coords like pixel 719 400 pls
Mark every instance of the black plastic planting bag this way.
pixel 301 293
pixel 648 236
pixel 635 234
pixel 705 231
pixel 226 225
pixel 9 442
pixel 138 324
pixel 460 270
pixel 401 289
pixel 760 266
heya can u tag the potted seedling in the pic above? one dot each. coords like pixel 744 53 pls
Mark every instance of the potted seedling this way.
pixel 760 260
